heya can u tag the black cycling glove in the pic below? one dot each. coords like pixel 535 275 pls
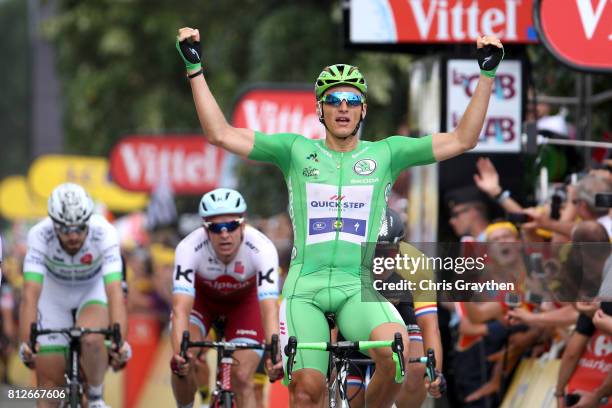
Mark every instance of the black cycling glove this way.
pixel 489 58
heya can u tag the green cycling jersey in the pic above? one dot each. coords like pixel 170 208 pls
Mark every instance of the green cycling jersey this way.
pixel 337 199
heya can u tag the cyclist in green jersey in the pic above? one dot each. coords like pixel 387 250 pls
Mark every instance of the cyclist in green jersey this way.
pixel 337 198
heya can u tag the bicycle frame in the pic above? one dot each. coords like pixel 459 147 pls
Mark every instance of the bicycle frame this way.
pixel 223 396
pixel 72 375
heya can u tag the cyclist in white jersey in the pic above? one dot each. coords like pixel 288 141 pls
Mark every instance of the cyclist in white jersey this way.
pixel 225 269
pixel 72 273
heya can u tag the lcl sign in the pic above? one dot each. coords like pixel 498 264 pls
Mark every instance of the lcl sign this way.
pixel 577 32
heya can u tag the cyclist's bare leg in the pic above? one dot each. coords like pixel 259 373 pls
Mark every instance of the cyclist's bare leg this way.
pixel 382 390
pixel 242 377
pixel 307 389
pixel 94 356
pixel 202 372
pixel 413 392
pixel 184 388
pixel 50 368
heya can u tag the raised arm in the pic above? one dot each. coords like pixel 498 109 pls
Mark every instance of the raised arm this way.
pixel 216 128
pixel 465 136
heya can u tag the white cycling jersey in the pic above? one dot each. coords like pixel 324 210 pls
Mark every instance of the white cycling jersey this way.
pixel 98 258
pixel 70 283
pixel 197 268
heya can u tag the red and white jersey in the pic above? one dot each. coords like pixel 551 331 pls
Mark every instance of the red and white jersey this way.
pixel 197 268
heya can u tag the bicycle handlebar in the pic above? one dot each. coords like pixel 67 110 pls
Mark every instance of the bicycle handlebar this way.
pixel 224 345
pixel 76 332
pixel 343 346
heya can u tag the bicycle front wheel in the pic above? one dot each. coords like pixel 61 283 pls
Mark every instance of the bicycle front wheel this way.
pixel 75 397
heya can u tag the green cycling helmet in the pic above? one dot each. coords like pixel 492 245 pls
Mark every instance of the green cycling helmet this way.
pixel 340 74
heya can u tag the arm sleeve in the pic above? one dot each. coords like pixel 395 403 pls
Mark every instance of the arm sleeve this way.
pixel 267 272
pixel 275 149
pixel 34 267
pixel 409 151
pixel 183 276
pixel 112 265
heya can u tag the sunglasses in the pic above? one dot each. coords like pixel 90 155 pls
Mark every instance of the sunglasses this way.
pixel 336 98
pixel 66 230
pixel 219 227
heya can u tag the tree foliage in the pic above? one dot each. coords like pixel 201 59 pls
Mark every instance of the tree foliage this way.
pixel 15 85
pixel 121 74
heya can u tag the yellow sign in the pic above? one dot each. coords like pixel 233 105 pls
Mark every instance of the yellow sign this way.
pixel 46 172
pixel 18 202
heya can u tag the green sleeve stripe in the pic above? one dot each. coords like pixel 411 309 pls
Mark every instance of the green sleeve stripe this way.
pixel 112 277
pixel 33 277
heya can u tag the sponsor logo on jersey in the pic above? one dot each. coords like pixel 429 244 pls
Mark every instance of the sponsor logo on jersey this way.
pixel 251 246
pixel 226 284
pixel 186 273
pixel 310 172
pixel 346 225
pixel 293 253
pixel 387 192
pixel 246 332
pixel 336 201
pixel 337 212
pixel 239 268
pixel 365 167
pixel 267 276
pixel 86 259
pixel 313 156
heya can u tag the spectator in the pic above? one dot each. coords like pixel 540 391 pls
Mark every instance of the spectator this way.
pixel 468 212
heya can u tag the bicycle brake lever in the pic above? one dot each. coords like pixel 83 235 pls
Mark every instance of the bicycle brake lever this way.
pixel 184 345
pixel 274 348
pixel 431 365
pixel 117 336
pixel 33 336
pixel 398 348
pixel 290 351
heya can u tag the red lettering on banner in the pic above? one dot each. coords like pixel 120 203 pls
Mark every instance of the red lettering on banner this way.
pixel 192 166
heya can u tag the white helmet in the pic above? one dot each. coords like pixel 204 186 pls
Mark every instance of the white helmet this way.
pixel 221 201
pixel 69 204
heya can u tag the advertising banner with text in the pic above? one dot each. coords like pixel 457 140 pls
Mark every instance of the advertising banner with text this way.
pixel 189 163
pixel 502 128
pixel 577 32
pixel 276 110
pixel 439 21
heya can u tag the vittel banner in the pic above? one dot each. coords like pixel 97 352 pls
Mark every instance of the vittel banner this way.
pixel 501 131
pixel 577 32
pixel 188 162
pixel 439 21
pixel 279 110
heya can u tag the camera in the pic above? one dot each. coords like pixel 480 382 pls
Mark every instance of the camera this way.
pixel 536 266
pixel 603 200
